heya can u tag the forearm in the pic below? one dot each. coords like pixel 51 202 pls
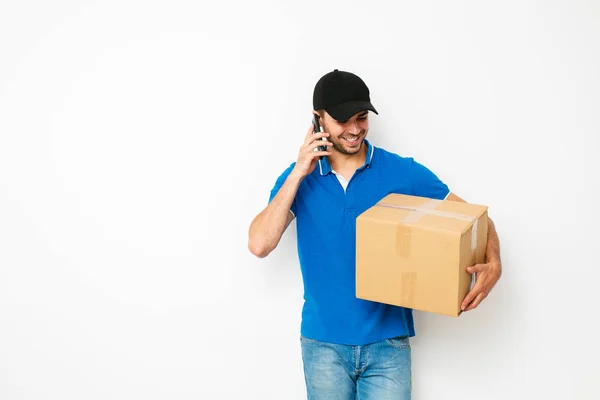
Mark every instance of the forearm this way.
pixel 492 255
pixel 267 228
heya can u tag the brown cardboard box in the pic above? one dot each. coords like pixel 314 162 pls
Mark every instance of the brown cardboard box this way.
pixel 413 252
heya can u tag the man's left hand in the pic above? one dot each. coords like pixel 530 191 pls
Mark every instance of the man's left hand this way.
pixel 486 276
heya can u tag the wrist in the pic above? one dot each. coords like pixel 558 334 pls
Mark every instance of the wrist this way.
pixel 296 176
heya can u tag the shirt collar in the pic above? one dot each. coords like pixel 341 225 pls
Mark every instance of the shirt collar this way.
pixel 325 167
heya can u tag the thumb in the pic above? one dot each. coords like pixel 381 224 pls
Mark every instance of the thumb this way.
pixel 474 268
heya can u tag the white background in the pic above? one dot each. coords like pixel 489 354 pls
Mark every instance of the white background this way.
pixel 138 139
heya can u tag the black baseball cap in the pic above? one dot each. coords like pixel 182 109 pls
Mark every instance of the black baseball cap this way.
pixel 342 94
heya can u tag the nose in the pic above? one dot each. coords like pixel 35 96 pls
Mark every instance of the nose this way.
pixel 353 128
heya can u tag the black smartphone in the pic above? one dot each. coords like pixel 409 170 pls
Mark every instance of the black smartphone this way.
pixel 318 128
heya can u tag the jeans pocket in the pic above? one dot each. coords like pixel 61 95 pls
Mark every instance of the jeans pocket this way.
pixel 401 342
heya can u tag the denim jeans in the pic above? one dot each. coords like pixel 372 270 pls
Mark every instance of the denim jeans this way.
pixel 377 371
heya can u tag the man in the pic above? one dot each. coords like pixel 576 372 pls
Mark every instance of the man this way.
pixel 351 348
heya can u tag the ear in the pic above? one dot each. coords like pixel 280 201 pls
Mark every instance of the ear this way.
pixel 321 115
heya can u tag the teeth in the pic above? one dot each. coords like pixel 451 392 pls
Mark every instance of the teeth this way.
pixel 351 139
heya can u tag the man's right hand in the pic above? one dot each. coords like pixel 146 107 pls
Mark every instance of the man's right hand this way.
pixel 267 227
pixel 308 157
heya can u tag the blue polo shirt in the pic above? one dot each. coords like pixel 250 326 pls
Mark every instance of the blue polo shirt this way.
pixel 326 239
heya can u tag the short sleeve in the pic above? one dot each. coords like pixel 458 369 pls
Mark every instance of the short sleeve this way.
pixel 425 183
pixel 279 183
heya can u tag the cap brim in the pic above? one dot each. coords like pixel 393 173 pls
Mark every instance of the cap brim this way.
pixel 343 112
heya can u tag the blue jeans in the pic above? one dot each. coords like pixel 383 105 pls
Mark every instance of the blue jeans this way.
pixel 377 371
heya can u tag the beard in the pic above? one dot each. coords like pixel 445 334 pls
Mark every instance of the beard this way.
pixel 340 144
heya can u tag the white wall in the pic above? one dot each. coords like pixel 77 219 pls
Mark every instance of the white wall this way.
pixel 138 140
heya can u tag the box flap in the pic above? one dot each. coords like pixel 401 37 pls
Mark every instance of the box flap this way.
pixel 423 212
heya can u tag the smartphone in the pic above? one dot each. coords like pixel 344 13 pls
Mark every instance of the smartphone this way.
pixel 318 128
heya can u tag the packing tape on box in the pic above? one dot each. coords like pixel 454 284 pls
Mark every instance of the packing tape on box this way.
pixel 426 208
pixel 403 235
pixel 408 282
pixel 474 236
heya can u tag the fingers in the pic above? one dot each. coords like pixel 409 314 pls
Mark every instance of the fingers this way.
pixel 469 298
pixel 312 137
pixel 318 153
pixel 475 296
pixel 309 133
pixel 475 268
pixel 473 293
pixel 478 299
pixel 483 284
pixel 317 143
pixel 309 152
pixel 322 153
pixel 314 140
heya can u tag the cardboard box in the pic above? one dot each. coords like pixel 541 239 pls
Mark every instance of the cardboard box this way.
pixel 413 252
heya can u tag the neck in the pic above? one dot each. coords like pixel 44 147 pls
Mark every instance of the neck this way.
pixel 343 162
